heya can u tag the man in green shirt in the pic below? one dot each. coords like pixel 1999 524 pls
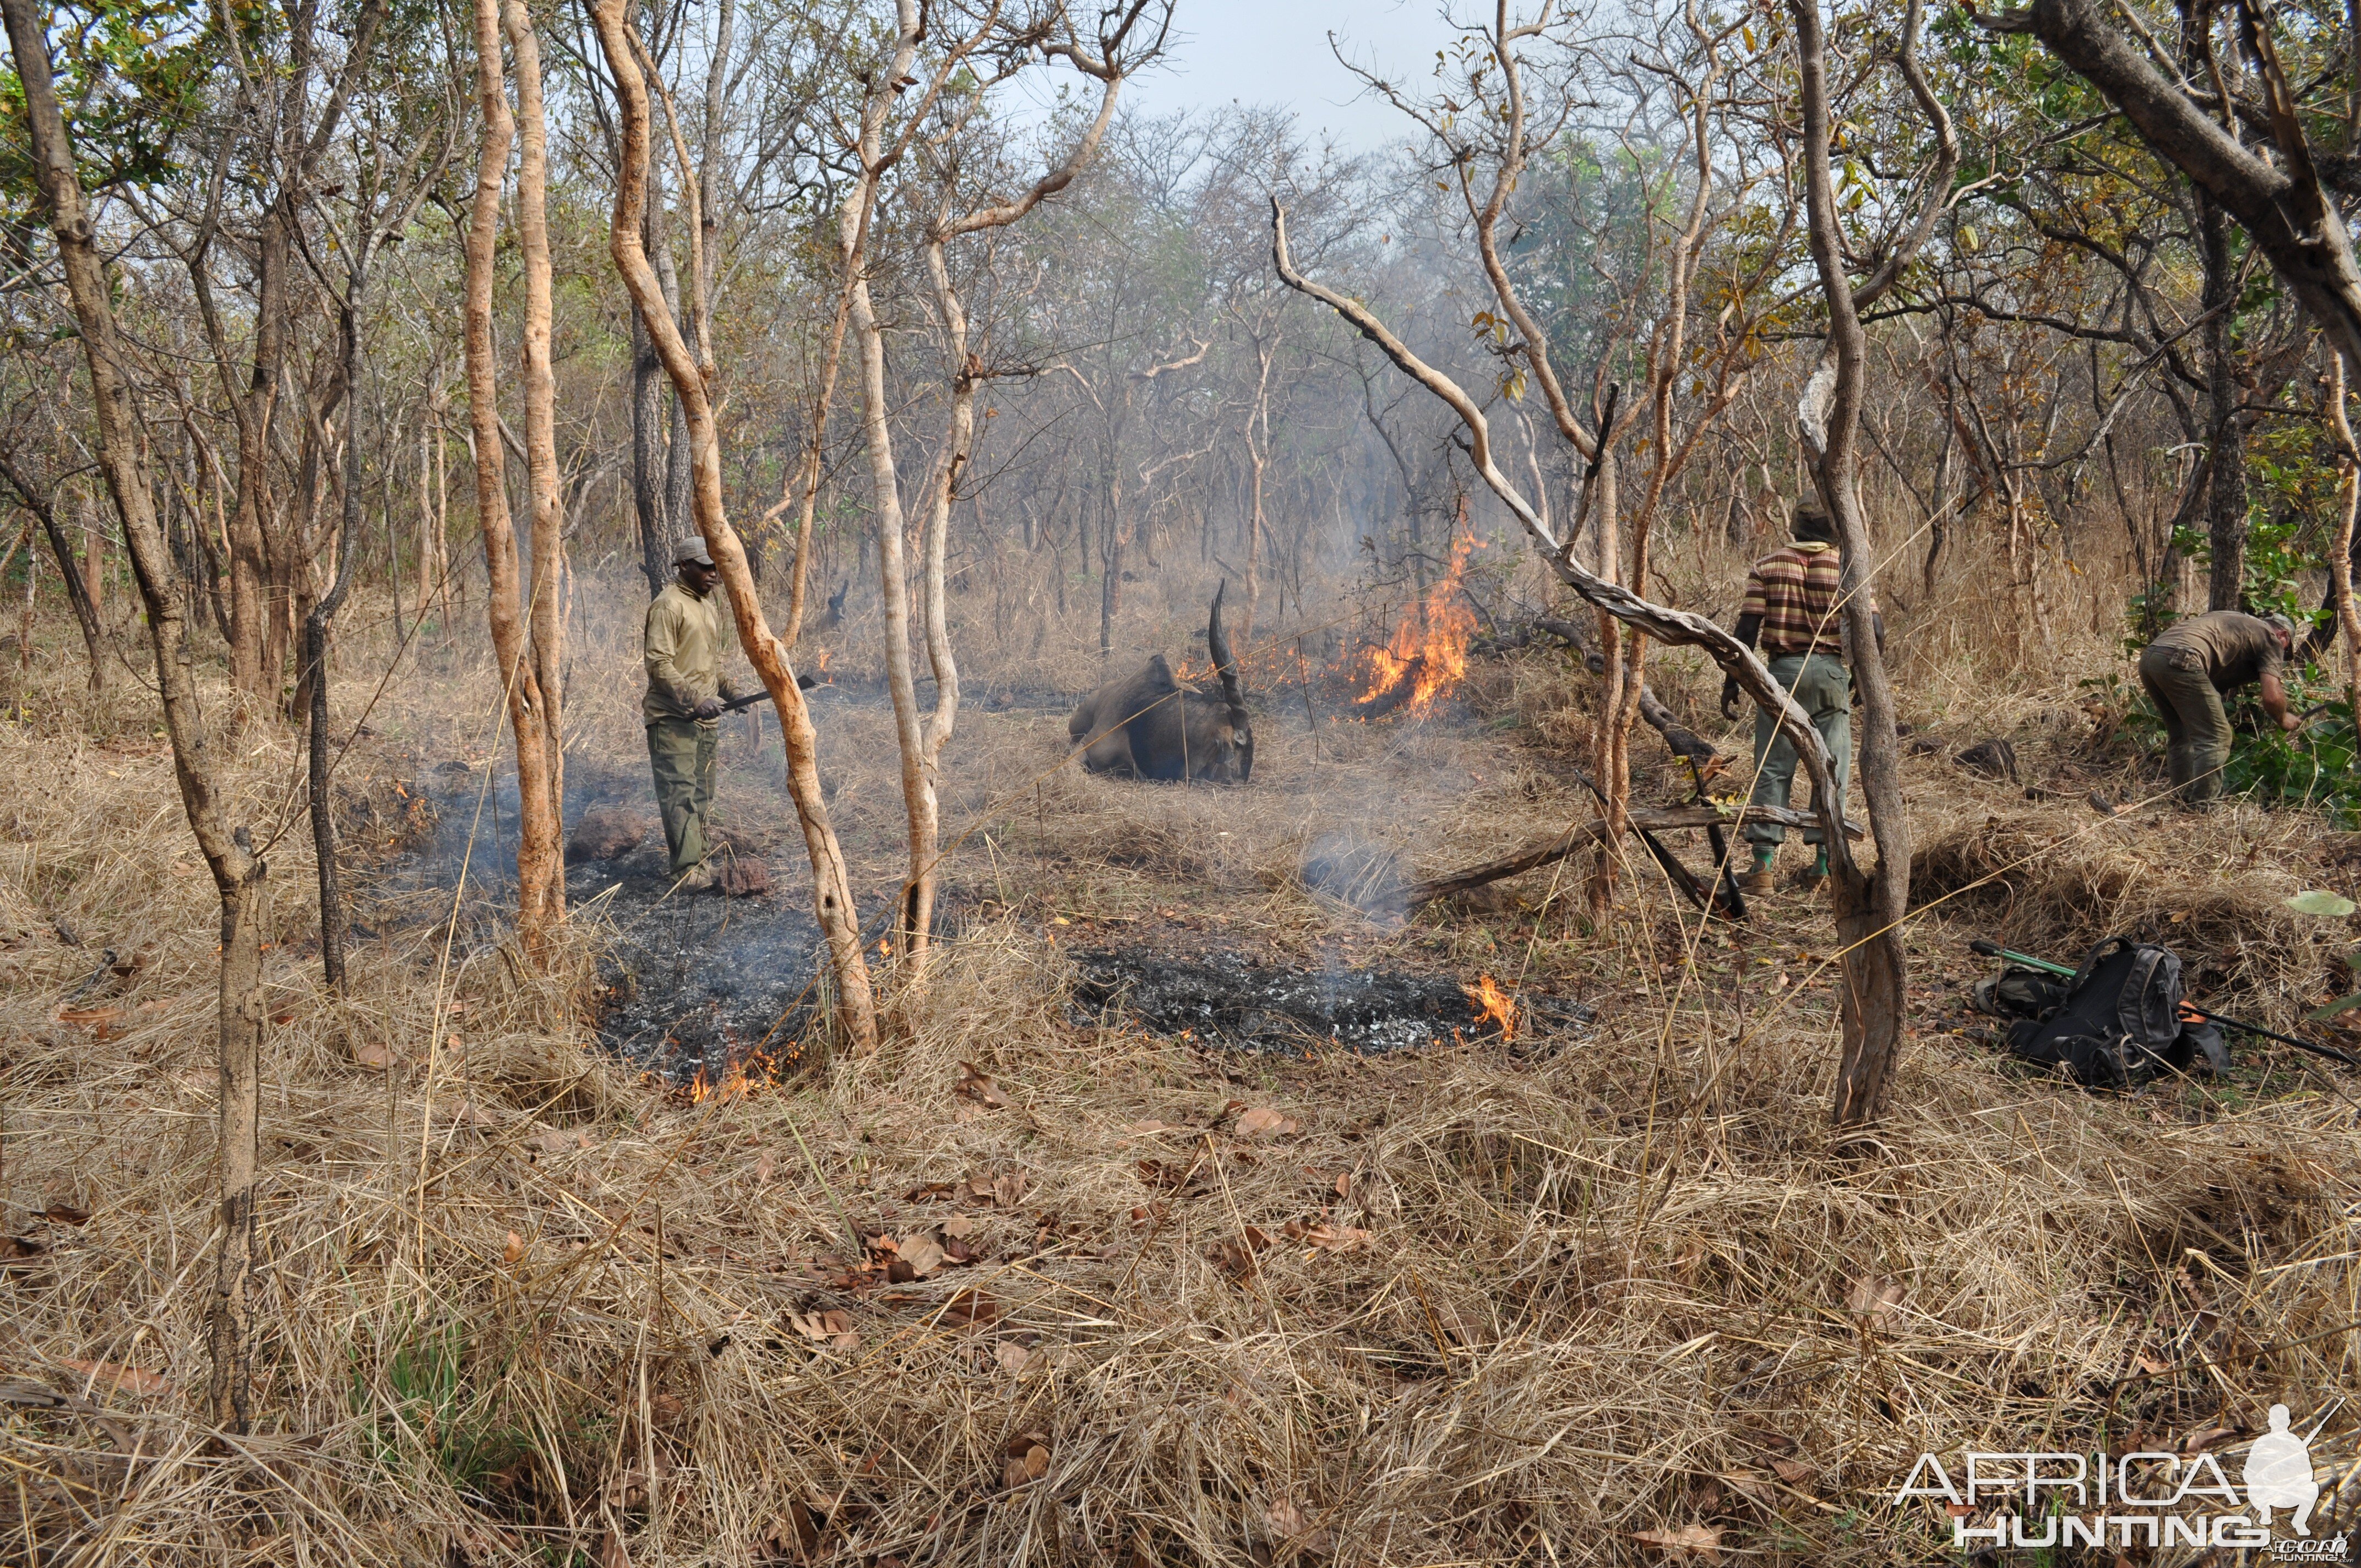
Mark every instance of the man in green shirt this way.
pixel 689 627
pixel 2187 669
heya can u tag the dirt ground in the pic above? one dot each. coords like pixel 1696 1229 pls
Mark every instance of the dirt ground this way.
pixel 1037 1284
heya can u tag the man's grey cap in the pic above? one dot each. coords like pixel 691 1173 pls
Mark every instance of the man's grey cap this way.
pixel 2284 624
pixel 692 550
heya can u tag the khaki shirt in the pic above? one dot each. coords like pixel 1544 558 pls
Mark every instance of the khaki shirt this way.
pixel 685 641
pixel 2239 650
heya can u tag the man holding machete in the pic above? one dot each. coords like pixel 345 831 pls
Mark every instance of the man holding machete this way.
pixel 689 628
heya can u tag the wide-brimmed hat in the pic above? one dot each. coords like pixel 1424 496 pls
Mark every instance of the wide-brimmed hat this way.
pixel 692 551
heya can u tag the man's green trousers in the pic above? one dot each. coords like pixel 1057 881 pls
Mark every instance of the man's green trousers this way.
pixel 680 752
pixel 2196 730
pixel 1823 687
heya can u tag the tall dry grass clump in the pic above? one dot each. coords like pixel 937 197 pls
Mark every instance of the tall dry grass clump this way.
pixel 1033 1286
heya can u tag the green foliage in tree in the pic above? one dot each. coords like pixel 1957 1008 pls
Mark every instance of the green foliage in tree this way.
pixel 131 76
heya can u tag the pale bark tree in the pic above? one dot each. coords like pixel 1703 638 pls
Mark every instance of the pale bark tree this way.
pixel 544 610
pixel 1124 38
pixel 239 875
pixel 1117 52
pixel 832 888
pixel 2340 549
pixel 540 869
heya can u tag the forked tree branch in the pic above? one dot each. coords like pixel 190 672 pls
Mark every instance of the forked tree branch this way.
pixel 1676 627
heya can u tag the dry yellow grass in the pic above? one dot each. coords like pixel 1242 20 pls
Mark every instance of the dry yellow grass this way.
pixel 1552 1305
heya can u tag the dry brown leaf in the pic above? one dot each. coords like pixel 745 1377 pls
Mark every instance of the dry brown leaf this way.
pixel 374 1055
pixel 91 1017
pixel 1012 1356
pixel 610 1552
pixel 972 1306
pixel 106 1375
pixel 1751 1483
pixel 920 1252
pixel 1874 1298
pixel 2152 1366
pixel 832 1329
pixel 1794 1472
pixel 460 1113
pixel 762 1168
pixel 515 1250
pixel 66 1215
pixel 957 1226
pixel 1322 1234
pixel 974 1085
pixel 1286 1520
pixel 1262 1122
pixel 1686 1540
pixel 1028 1458
pixel 1234 1259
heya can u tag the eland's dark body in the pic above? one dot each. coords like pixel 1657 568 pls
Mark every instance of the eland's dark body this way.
pixel 1150 725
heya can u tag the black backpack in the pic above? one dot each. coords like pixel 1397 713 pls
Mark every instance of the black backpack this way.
pixel 2115 1025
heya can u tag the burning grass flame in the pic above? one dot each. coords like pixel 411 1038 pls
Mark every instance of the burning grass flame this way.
pixel 1493 1005
pixel 747 1073
pixel 1427 654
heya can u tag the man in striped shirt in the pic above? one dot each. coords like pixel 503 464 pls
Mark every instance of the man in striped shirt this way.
pixel 1794 609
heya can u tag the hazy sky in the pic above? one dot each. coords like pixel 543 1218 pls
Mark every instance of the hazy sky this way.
pixel 1276 53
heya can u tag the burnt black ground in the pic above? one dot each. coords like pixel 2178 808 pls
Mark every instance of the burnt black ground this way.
pixel 1229 1000
pixel 688 981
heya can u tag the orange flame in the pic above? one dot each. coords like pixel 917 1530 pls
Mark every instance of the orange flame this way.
pixel 744 1075
pixel 1493 1005
pixel 1428 648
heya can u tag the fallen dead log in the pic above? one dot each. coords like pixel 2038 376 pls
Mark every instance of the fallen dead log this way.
pixel 1662 820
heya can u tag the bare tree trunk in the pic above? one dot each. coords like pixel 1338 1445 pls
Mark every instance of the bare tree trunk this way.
pixel 648 421
pixel 1605 508
pixel 315 632
pixel 36 502
pixel 832 888
pixel 545 613
pixel 238 876
pixel 94 575
pixel 885 492
pixel 2340 551
pixel 894 582
pixel 1871 906
pixel 249 552
pixel 2225 429
pixel 959 443
pixel 1258 458
pixel 539 866
pixel 852 250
